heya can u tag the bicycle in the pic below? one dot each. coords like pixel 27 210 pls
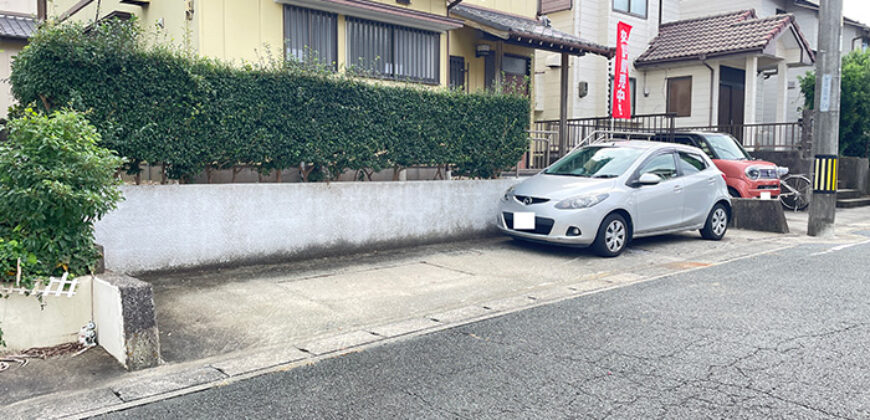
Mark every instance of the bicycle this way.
pixel 795 192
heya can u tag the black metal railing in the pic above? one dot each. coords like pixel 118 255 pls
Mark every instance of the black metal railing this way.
pixel 580 129
pixel 764 136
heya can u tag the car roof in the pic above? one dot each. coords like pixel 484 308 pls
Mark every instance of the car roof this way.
pixel 685 133
pixel 646 144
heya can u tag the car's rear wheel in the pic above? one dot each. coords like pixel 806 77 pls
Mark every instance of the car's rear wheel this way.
pixel 717 223
pixel 612 236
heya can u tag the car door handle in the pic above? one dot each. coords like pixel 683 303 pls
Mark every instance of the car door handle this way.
pixel 711 180
pixel 678 188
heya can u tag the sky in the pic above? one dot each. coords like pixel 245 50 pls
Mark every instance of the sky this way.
pixel 858 10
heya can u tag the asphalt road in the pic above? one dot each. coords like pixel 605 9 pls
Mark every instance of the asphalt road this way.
pixel 784 335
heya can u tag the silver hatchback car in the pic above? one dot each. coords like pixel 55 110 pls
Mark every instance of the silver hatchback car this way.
pixel 605 194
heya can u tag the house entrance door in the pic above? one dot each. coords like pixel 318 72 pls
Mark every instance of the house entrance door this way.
pixel 731 100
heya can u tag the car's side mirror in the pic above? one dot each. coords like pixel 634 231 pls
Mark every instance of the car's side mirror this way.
pixel 649 178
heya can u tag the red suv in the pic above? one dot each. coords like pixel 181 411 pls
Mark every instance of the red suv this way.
pixel 745 176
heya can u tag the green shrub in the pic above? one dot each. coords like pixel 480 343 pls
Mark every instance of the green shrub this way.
pixel 55 182
pixel 154 105
pixel 854 102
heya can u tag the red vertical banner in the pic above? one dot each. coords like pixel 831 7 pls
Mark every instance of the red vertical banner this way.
pixel 621 85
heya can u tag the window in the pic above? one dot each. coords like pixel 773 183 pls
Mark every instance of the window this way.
pixel 457 72
pixel 691 163
pixel 514 71
pixel 393 52
pixel 684 140
pixel 632 7
pixel 662 165
pixel 680 96
pixel 310 36
pixel 553 6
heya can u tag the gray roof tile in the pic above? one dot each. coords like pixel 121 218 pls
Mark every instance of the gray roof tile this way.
pixel 14 26
pixel 523 27
pixel 712 36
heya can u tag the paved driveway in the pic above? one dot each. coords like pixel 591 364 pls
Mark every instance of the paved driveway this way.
pixel 207 314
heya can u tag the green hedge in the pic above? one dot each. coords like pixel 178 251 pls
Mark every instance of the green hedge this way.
pixel 154 104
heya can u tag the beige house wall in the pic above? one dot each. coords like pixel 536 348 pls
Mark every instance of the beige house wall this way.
pixel 655 80
pixel 8 49
pixel 27 7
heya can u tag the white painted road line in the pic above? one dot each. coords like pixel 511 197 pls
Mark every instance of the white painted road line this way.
pixel 840 248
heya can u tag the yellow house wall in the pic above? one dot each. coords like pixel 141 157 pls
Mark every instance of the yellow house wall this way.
pixel 236 30
pixel 176 27
pixel 528 8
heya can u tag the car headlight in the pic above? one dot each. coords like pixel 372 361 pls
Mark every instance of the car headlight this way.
pixel 581 202
pixel 753 172
pixel 508 194
pixel 781 171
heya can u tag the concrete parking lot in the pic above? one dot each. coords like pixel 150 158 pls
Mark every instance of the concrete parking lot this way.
pixel 211 313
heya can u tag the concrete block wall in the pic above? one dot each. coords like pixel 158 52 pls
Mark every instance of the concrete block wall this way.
pixel 126 321
pixel 171 227
pixel 27 323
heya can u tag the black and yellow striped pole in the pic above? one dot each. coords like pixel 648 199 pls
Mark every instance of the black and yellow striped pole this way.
pixel 826 124
pixel 825 174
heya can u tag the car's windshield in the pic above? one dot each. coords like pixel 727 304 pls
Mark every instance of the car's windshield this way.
pixel 596 162
pixel 726 147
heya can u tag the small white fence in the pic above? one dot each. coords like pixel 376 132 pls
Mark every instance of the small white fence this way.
pixel 62 286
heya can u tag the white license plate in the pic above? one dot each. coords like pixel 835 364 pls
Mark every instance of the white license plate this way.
pixel 524 221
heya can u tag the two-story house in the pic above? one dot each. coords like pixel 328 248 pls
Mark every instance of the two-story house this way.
pixel 589 77
pixel 856 35
pixel 710 64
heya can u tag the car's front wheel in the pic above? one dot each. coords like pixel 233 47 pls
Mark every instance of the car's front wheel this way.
pixel 717 223
pixel 612 236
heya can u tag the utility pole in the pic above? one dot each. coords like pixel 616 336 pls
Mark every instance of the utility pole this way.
pixel 826 147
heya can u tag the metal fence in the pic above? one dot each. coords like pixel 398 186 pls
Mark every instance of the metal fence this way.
pixel 765 136
pixel 545 134
pixel 545 148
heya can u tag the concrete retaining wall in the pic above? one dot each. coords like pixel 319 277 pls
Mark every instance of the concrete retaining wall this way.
pixel 26 323
pixel 170 227
pixel 791 159
pixel 853 173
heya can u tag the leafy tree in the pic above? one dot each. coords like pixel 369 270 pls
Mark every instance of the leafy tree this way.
pixel 854 103
pixel 55 182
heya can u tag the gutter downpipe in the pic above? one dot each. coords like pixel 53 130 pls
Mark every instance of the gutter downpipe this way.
pixel 712 87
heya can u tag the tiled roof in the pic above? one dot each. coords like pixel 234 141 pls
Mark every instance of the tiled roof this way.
pixel 14 26
pixel 712 36
pixel 521 29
